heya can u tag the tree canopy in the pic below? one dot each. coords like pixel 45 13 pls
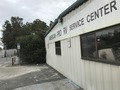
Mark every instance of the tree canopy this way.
pixel 29 35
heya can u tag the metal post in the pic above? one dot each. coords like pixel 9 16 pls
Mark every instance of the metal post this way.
pixel 19 53
pixel 18 48
pixel 5 53
pixel 12 61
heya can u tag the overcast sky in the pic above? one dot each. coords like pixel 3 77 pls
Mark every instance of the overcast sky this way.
pixel 29 10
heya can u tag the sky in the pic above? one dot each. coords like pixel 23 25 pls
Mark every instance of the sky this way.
pixel 29 10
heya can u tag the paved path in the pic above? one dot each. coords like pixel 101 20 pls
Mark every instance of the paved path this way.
pixel 32 77
pixel 64 84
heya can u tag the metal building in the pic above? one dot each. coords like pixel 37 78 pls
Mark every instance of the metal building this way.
pixel 84 44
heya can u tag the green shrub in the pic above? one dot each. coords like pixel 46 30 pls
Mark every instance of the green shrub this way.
pixel 32 49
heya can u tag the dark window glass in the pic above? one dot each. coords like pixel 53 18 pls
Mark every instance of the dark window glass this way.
pixel 88 46
pixel 84 46
pixel 91 46
pixel 103 45
pixel 58 48
pixel 108 43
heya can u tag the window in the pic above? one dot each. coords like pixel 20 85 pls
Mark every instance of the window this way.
pixel 103 45
pixel 58 48
pixel 88 45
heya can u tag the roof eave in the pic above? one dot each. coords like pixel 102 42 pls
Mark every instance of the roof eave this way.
pixel 64 13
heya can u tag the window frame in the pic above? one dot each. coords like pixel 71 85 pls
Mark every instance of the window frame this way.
pixel 58 48
pixel 116 62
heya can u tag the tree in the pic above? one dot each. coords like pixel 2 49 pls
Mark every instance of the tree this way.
pixel 33 45
pixel 11 30
pixel 29 35
pixel 32 49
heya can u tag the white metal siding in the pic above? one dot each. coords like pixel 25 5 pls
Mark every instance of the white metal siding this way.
pixel 89 75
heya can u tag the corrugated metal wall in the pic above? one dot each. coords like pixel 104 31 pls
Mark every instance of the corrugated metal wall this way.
pixel 89 75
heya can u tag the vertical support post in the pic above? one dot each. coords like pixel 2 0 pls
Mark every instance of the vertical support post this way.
pixel 18 49
pixel 19 53
pixel 12 61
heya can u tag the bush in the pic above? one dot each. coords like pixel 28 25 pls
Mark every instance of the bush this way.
pixel 32 49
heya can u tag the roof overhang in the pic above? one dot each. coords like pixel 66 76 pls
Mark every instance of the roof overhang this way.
pixel 64 13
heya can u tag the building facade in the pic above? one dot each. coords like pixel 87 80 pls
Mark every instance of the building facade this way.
pixel 84 44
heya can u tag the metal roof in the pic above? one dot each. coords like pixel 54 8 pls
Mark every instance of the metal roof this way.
pixel 68 10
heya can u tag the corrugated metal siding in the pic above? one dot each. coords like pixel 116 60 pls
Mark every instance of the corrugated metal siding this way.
pixel 87 74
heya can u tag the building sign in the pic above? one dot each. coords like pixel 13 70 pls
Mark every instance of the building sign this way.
pixel 18 45
pixel 94 15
